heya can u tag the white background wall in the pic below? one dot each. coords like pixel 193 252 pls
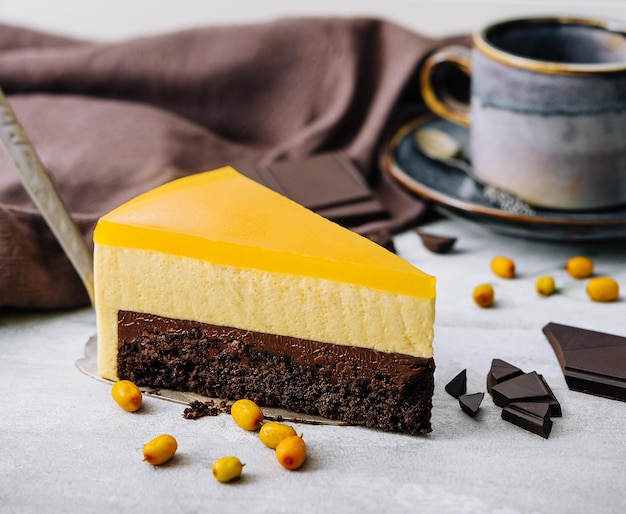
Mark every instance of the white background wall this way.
pixel 115 19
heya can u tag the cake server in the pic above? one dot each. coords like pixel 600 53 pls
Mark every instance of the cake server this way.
pixel 44 194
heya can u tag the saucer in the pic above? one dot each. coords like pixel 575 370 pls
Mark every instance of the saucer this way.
pixel 455 194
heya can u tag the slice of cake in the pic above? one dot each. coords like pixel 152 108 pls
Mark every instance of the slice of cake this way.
pixel 216 284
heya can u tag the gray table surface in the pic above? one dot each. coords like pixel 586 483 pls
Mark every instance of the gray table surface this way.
pixel 67 447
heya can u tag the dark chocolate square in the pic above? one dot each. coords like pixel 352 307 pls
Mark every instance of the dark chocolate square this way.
pixel 528 387
pixel 531 416
pixel 470 403
pixel 329 184
pixel 501 371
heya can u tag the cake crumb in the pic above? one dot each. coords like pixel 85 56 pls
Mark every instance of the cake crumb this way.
pixel 198 409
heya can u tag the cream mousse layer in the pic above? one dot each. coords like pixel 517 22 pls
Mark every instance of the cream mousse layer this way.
pixel 219 248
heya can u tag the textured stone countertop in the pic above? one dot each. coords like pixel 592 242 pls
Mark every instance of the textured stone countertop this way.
pixel 67 447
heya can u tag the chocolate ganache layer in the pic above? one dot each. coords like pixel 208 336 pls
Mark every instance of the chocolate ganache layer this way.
pixel 388 391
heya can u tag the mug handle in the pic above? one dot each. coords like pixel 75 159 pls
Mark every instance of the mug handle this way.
pixel 441 103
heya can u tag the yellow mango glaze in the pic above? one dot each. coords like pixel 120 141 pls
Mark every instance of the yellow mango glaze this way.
pixel 219 248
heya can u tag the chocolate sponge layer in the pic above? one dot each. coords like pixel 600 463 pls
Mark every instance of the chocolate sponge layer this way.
pixel 387 391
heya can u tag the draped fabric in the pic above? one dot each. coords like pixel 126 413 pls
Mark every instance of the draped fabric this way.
pixel 112 120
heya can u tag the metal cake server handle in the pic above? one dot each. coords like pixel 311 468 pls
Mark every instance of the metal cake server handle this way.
pixel 44 194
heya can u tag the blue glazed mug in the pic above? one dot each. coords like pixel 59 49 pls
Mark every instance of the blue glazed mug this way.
pixel 546 110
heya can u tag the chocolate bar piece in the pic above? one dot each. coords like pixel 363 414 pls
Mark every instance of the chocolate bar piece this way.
pixel 436 243
pixel 555 406
pixel 529 387
pixel 458 385
pixel 355 213
pixel 531 416
pixel 329 184
pixel 470 403
pixel 501 371
pixel 592 362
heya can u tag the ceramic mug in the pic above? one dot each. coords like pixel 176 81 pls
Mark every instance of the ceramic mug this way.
pixel 546 109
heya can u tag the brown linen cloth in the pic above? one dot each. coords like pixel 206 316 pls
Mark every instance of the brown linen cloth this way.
pixel 112 120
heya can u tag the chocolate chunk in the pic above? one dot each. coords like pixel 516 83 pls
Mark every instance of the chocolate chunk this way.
pixel 592 362
pixel 436 243
pixel 531 416
pixel 555 406
pixel 470 403
pixel 354 214
pixel 329 184
pixel 528 387
pixel 458 385
pixel 501 371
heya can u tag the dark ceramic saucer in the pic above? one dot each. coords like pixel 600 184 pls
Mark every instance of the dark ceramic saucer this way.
pixel 455 194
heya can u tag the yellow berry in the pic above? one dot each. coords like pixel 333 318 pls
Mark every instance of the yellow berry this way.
pixel 226 469
pixel 247 414
pixel 273 433
pixel 579 267
pixel 503 267
pixel 545 285
pixel 483 295
pixel 291 452
pixel 127 395
pixel 161 449
pixel 602 289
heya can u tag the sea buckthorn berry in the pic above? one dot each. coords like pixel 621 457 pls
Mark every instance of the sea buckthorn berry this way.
pixel 503 267
pixel 247 414
pixel 291 452
pixel 579 267
pixel 226 469
pixel 545 285
pixel 483 295
pixel 127 395
pixel 273 433
pixel 602 289
pixel 161 449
